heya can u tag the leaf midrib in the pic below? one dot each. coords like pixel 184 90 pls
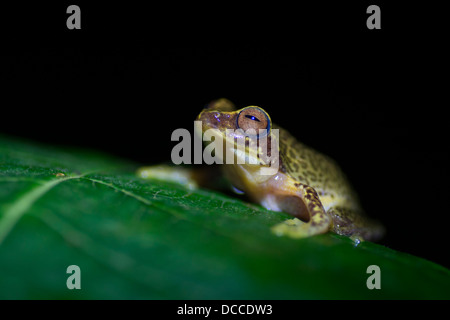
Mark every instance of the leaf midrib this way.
pixel 17 209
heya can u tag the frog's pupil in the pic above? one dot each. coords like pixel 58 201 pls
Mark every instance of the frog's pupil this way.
pixel 252 117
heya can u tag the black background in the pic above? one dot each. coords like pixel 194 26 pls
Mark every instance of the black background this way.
pixel 133 74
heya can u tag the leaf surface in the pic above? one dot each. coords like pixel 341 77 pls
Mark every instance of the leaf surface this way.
pixel 149 239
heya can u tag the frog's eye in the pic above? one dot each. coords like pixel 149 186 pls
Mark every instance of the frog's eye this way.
pixel 253 118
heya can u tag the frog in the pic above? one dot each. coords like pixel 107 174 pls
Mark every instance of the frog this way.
pixel 306 184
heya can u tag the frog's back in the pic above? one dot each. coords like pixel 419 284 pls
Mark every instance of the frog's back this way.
pixel 317 170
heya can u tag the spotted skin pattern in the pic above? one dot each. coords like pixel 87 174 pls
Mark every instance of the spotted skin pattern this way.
pixel 314 179
pixel 311 168
pixel 325 181
pixel 308 185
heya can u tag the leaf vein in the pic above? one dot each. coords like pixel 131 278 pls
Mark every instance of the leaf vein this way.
pixel 17 209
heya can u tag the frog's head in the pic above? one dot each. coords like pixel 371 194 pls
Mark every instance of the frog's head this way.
pixel 249 126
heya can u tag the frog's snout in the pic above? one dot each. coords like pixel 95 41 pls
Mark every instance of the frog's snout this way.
pixel 216 119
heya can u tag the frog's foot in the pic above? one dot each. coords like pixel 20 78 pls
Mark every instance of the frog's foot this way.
pixel 310 207
pixel 290 228
pixel 354 225
pixel 295 228
pixel 175 174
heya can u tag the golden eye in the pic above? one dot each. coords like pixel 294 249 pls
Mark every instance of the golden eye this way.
pixel 253 118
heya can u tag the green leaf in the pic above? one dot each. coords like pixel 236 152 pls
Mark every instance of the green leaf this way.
pixel 139 239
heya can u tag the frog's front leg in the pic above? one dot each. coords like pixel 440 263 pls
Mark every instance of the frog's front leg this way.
pixel 177 174
pixel 191 177
pixel 305 204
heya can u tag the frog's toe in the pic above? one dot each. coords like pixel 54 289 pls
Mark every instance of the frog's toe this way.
pixel 287 228
pixel 293 222
pixel 296 229
pixel 290 228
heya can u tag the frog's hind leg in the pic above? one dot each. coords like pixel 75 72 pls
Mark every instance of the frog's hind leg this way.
pixel 355 225
pixel 307 208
